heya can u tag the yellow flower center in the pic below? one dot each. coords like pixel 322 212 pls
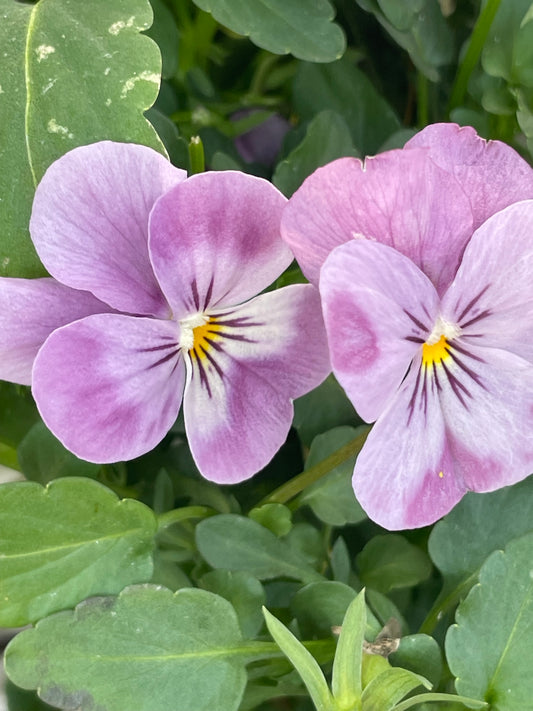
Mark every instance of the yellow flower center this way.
pixel 435 352
pixel 203 336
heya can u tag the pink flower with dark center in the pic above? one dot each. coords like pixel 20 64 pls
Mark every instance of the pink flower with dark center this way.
pixel 424 258
pixel 153 301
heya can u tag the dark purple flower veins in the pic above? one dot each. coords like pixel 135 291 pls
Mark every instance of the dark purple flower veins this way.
pixel 445 356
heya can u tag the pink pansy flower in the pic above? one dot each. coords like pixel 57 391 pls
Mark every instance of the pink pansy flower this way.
pixel 151 303
pixel 424 258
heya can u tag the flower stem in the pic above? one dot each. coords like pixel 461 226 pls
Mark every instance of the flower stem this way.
pixel 446 602
pixel 473 52
pixel 196 155
pixel 300 482
pixel 422 100
pixel 183 514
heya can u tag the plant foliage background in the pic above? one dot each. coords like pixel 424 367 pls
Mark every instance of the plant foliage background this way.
pixel 146 583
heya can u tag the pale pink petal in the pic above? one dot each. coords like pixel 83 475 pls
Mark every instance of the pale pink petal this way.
pixel 404 476
pixel 110 386
pixel 89 222
pixel 399 198
pixel 238 398
pixel 491 297
pixel 487 401
pixel 30 309
pixel 379 308
pixel 491 173
pixel 215 240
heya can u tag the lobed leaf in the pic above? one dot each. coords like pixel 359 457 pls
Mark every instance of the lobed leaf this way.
pixel 283 26
pixel 489 649
pixel 148 649
pixel 65 542
pixel 71 73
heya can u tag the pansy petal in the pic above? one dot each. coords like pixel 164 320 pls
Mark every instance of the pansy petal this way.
pixel 492 174
pixel 110 386
pixel 487 401
pixel 378 308
pixel 491 297
pixel 215 240
pixel 399 198
pixel 89 222
pixel 404 475
pixel 30 309
pixel 237 402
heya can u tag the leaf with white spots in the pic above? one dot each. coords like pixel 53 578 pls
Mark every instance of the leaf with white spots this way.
pixel 65 542
pixel 71 73
pixel 147 650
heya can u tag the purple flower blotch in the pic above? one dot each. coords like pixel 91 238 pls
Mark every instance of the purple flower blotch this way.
pixel 424 258
pixel 151 303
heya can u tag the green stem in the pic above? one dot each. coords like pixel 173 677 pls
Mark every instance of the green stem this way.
pixel 300 482
pixel 196 155
pixel 179 515
pixel 422 100
pixel 473 52
pixel 442 605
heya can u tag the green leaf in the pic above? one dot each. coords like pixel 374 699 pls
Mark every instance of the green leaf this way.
pixel 42 457
pixel 322 409
pixel 331 498
pixel 71 73
pixel 238 543
pixel 67 541
pixel 390 561
pixel 327 138
pixel 343 88
pixel 164 31
pixel 346 674
pixel 390 687
pixel 507 51
pixel 17 412
pixel 303 661
pixel 245 593
pixel 421 654
pixel 477 526
pixel 422 31
pixel 275 517
pixel 320 606
pixel 148 650
pixel 490 647
pixel 283 26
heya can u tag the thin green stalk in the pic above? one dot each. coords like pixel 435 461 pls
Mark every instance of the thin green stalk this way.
pixel 473 52
pixel 300 482
pixel 184 514
pixel 442 605
pixel 422 100
pixel 196 155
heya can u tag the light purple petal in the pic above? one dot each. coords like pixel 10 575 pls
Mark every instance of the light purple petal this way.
pixel 237 403
pixel 491 297
pixel 89 222
pixel 491 173
pixel 404 476
pixel 378 308
pixel 215 240
pixel 30 309
pixel 110 386
pixel 399 198
pixel 487 401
